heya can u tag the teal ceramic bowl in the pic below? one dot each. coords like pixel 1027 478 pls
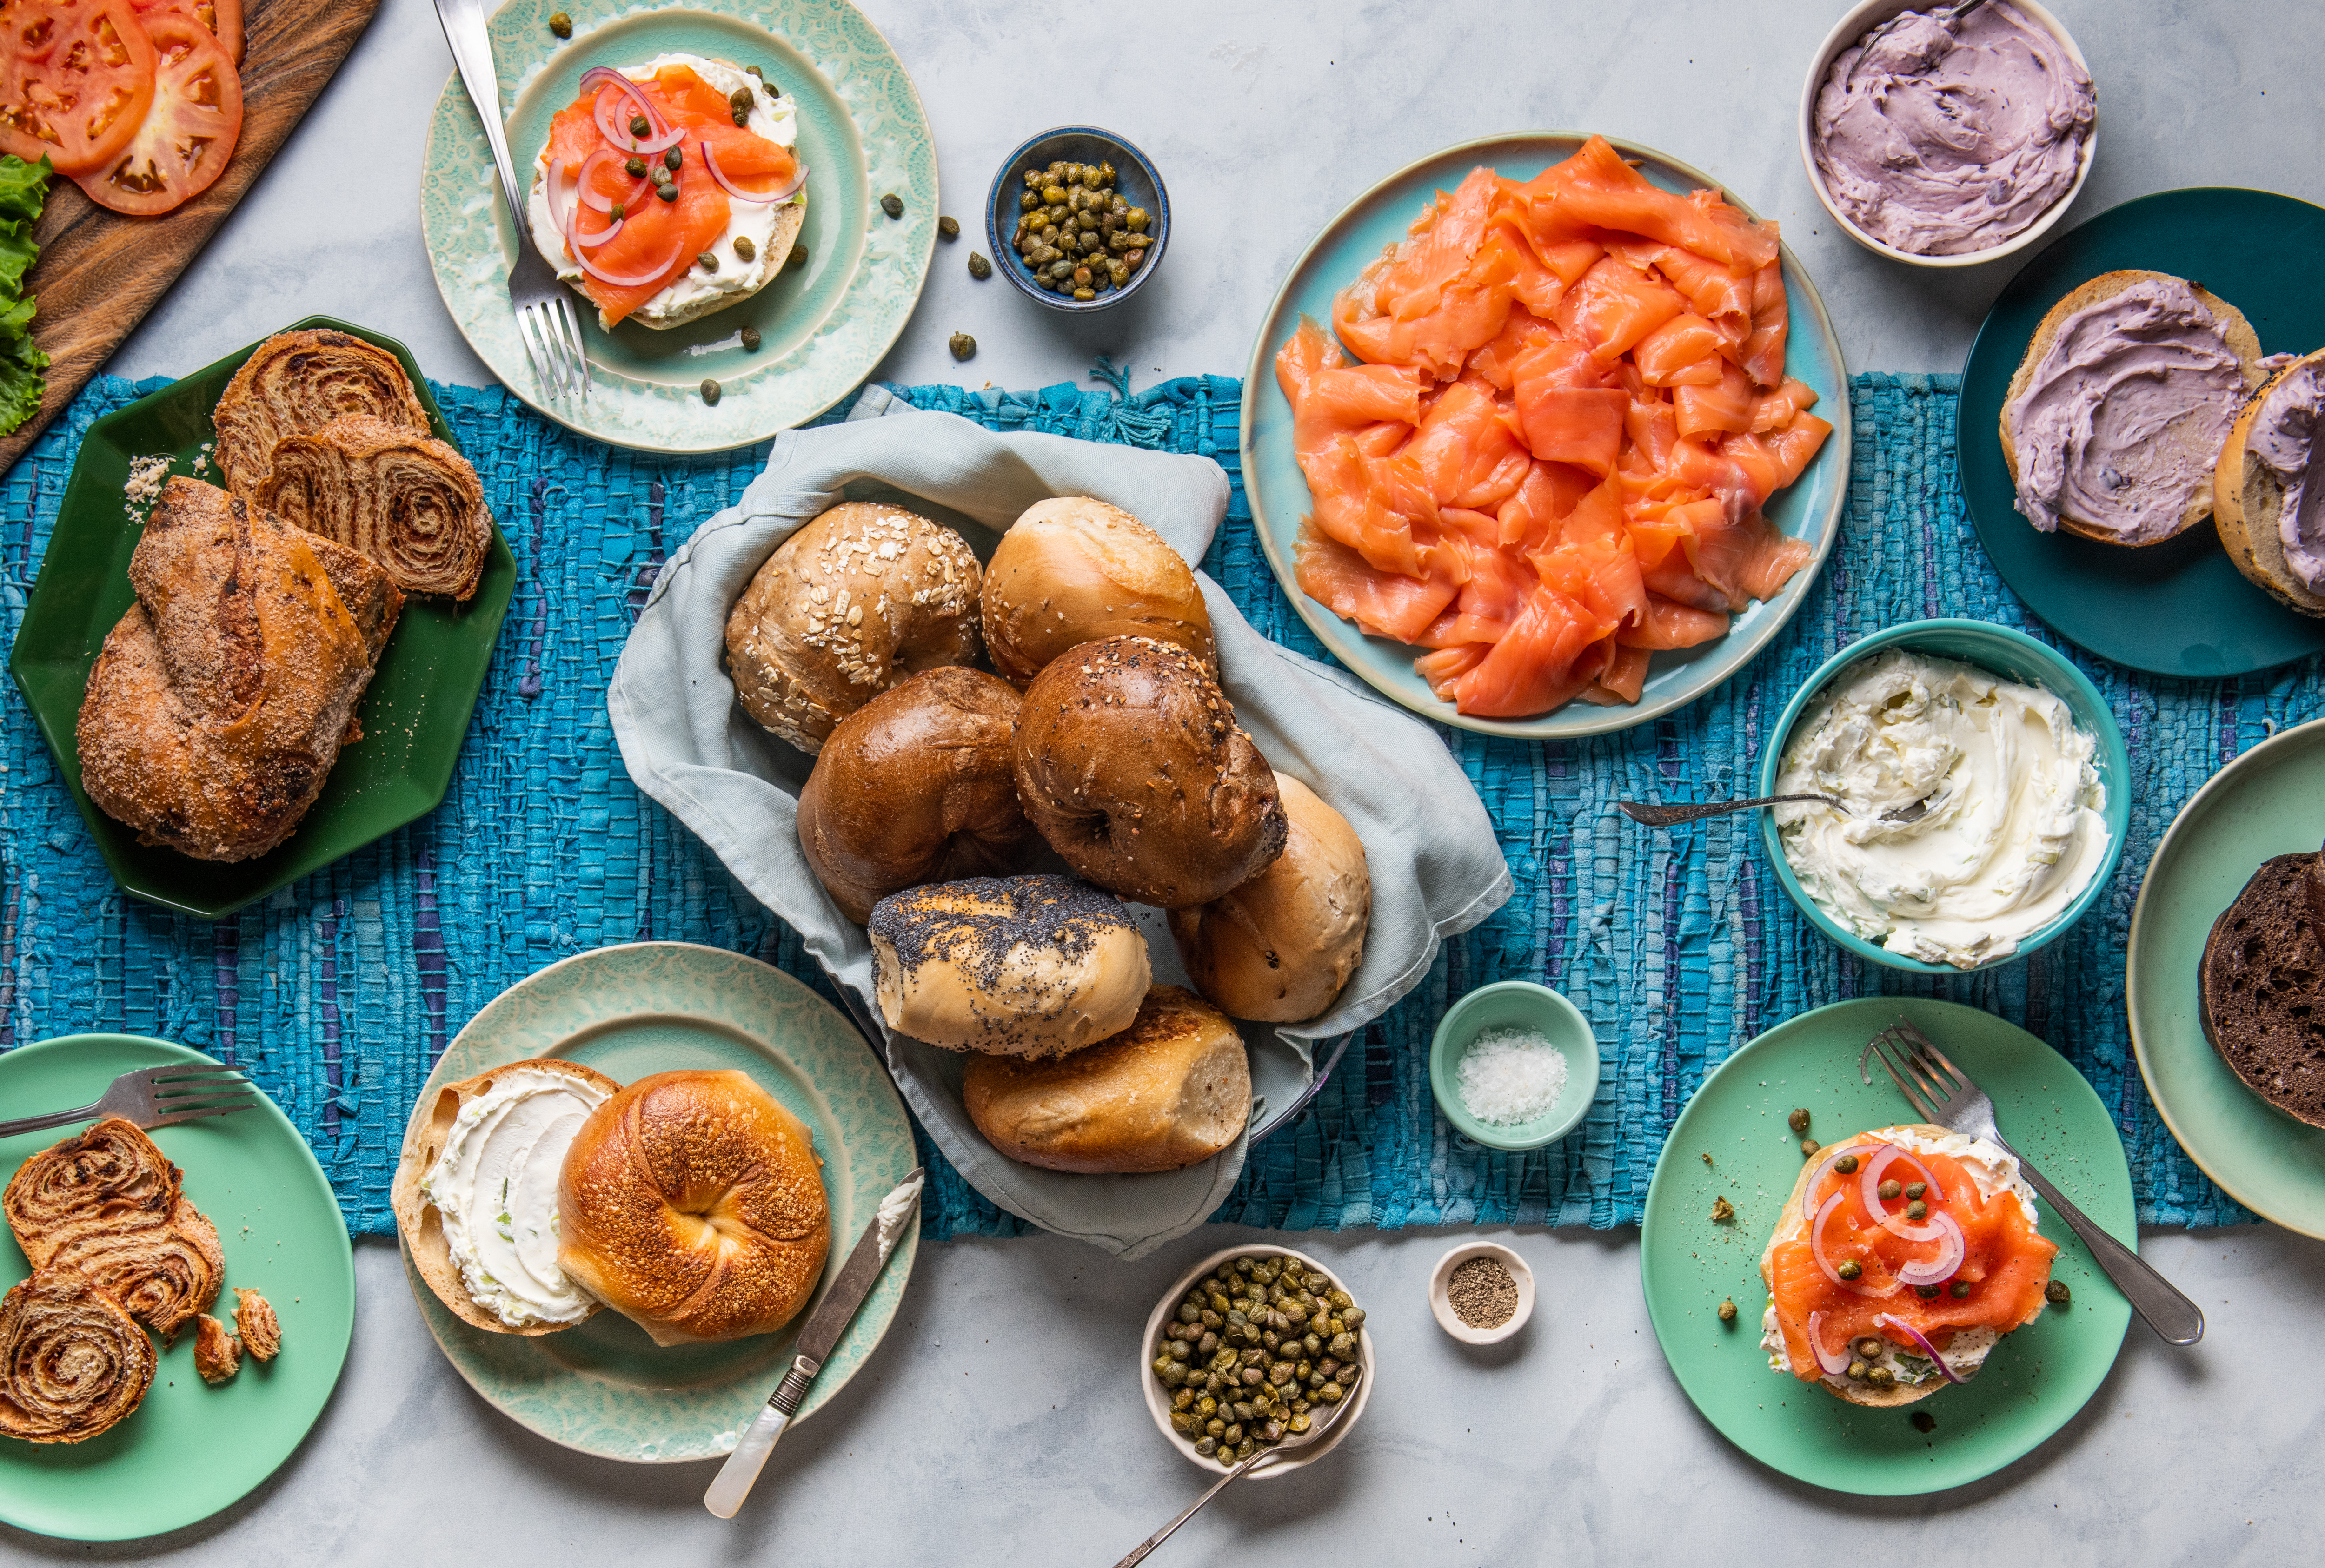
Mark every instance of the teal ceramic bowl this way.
pixel 1516 1005
pixel 2001 651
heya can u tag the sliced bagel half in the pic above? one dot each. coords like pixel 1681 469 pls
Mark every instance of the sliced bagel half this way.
pixel 2249 504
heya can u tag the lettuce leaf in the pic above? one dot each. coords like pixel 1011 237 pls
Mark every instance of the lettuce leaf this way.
pixel 23 190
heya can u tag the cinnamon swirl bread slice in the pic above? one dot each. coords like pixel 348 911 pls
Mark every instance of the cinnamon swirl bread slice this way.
pixel 409 503
pixel 107 1205
pixel 299 381
pixel 71 1361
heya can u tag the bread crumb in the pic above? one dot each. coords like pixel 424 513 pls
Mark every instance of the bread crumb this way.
pixel 147 475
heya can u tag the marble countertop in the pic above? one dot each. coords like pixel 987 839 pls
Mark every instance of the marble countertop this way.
pixel 1002 1420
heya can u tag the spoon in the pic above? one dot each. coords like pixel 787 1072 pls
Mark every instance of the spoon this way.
pixel 1673 816
pixel 1290 1445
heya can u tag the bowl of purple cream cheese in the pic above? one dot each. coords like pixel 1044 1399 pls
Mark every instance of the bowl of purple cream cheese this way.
pixel 1948 134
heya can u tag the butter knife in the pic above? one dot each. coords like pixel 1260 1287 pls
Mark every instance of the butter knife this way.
pixel 824 1326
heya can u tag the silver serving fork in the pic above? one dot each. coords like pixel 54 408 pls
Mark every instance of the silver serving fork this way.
pixel 155 1097
pixel 546 323
pixel 1943 1093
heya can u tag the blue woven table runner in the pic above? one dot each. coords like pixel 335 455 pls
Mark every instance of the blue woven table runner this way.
pixel 337 993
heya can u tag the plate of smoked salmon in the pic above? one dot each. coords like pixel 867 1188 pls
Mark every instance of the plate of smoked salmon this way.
pixel 1728 1188
pixel 1546 436
pixel 718 211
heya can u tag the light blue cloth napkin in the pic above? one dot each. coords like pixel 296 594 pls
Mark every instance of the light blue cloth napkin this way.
pixel 1436 868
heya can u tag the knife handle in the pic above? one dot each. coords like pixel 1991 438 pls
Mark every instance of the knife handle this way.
pixel 733 1483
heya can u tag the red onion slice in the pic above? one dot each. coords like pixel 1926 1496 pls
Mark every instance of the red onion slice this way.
pixel 1836 1365
pixel 1869 1189
pixel 661 135
pixel 1816 1245
pixel 1939 1270
pixel 634 280
pixel 591 242
pixel 710 162
pixel 1922 1340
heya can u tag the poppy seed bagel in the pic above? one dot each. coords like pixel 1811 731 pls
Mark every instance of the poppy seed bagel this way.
pixel 1130 764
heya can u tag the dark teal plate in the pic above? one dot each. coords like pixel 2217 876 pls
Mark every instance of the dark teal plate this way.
pixel 2181 607
pixel 414 715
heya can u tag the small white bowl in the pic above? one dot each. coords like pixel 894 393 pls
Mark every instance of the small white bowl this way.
pixel 1441 1304
pixel 1862 19
pixel 1157 1397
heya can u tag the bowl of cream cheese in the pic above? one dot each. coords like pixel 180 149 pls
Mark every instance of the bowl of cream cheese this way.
pixel 2018 764
pixel 1942 135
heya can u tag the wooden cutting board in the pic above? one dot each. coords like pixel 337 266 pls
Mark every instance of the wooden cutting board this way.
pixel 100 271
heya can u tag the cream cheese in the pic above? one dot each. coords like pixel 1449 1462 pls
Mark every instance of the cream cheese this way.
pixel 495 1187
pixel 2013 834
pixel 2284 437
pixel 736 279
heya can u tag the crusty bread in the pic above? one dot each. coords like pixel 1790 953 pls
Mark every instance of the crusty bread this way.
pixel 408 503
pixel 424 1137
pixel 1073 570
pixel 2261 985
pixel 2242 340
pixel 299 381
pixel 72 1363
pixel 1279 948
pixel 2249 500
pixel 1794 1216
pixel 1171 1089
pixel 692 1204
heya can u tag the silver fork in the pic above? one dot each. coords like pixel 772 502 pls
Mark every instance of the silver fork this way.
pixel 155 1097
pixel 546 324
pixel 1943 1093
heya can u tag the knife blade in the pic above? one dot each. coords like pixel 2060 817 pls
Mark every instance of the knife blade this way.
pixel 825 1324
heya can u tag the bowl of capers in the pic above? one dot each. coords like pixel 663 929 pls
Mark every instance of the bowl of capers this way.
pixel 1253 1345
pixel 1077 219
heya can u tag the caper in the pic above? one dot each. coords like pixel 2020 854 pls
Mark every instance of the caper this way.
pixel 1881 1377
pixel 1032 179
pixel 1846 1165
pixel 707 260
pixel 1180 1350
pixel 741 100
pixel 1091 177
pixel 1352 1317
pixel 1849 1269
pixel 1722 1211
pixel 1234 1434
pixel 798 258
pixel 2057 1294
pixel 1118 275
pixel 744 251
pixel 1106 174
pixel 1728 1310
pixel 617 212
pixel 742 118
pixel 949 228
pixel 1137 218
pixel 893 205
pixel 640 124
pixel 1344 1345
pixel 659 174
pixel 1215 1427
pixel 1132 259
pixel 673 159
pixel 636 168
pixel 1073 174
pixel 1917 1189
pixel 1182 1423
pixel 1890 1189
pixel 1313 1344
pixel 1799 1119
pixel 1184 1399
pixel 667 192
pixel 1028 201
pixel 1207 1445
pixel 962 345
pixel 751 346
pixel 1210 1342
pixel 1298 1423
pixel 1858 1370
pixel 1959 1289
pixel 1810 1146
pixel 710 395
pixel 1926 1292
pixel 1331 1393
pixel 1053 195
pixel 560 24
pixel 1869 1347
pixel 1062 270
pixel 979 267
pixel 1917 1210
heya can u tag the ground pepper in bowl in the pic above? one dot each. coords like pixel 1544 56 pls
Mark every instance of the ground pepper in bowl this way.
pixel 1483 1293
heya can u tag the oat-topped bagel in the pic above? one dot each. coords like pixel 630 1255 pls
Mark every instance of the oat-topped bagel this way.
pixel 860 597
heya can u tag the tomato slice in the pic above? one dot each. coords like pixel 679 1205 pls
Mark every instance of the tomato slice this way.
pixel 76 80
pixel 189 133
pixel 222 18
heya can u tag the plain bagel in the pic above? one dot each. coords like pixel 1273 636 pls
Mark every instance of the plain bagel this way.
pixel 1073 570
pixel 2248 498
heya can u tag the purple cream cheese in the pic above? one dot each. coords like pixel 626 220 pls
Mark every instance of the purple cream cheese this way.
pixel 2285 438
pixel 1941 136
pixel 2122 421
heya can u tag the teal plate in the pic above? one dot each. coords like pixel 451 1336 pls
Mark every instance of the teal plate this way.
pixel 414 713
pixel 2180 607
pixel 189 1450
pixel 2034 1380
pixel 1809 509
pixel 602 1387
pixel 824 326
pixel 2270 801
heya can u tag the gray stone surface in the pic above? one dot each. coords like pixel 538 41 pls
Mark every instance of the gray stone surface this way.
pixel 1001 1421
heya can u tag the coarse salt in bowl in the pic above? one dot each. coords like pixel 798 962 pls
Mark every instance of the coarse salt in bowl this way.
pixel 1489 1016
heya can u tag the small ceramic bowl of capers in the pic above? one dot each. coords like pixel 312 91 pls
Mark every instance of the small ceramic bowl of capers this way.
pixel 1077 219
pixel 1259 1381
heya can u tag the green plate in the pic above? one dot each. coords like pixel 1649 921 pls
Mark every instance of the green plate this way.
pixel 2035 1379
pixel 1809 509
pixel 602 1387
pixel 824 327
pixel 2180 607
pixel 189 1450
pixel 2270 801
pixel 414 715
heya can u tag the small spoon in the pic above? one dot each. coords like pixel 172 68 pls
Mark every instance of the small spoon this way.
pixel 1315 1434
pixel 1673 816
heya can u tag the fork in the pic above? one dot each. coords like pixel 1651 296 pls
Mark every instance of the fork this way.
pixel 155 1097
pixel 1943 1093
pixel 546 323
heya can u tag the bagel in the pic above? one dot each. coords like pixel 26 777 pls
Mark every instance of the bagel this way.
pixel 1073 570
pixel 2250 496
pixel 692 1204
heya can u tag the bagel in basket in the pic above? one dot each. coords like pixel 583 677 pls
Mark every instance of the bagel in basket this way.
pixel 1073 570
pixel 476 1193
pixel 692 1204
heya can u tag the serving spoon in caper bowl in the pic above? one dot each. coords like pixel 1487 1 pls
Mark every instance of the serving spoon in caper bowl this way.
pixel 1273 1451
pixel 1640 811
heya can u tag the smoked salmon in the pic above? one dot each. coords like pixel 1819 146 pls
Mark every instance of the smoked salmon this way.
pixel 1540 433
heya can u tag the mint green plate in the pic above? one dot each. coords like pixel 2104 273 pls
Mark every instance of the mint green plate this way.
pixel 189 1450
pixel 602 1387
pixel 1809 509
pixel 2270 801
pixel 2035 1379
pixel 824 326
pixel 414 715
